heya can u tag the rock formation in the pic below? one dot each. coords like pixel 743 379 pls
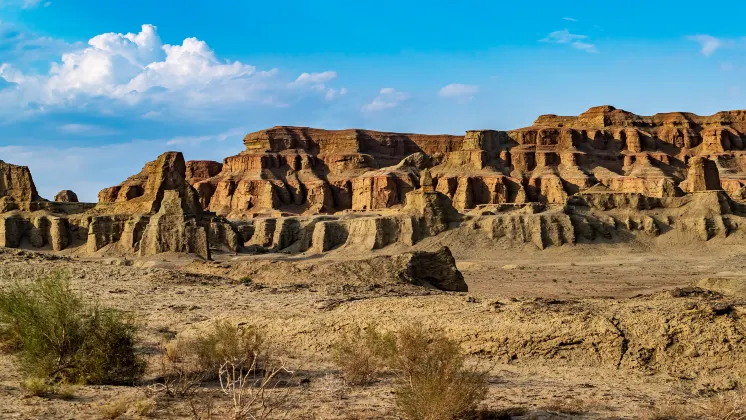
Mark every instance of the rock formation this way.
pixel 66 196
pixel 143 193
pixel 17 189
pixel 170 230
pixel 603 175
pixel 308 171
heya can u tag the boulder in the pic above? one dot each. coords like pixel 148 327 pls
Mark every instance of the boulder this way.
pixel 66 196
pixel 437 269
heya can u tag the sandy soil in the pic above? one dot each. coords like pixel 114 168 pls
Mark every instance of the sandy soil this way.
pixel 571 326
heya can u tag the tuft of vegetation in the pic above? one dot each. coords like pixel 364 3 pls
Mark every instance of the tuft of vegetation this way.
pixel 115 408
pixel 37 387
pixel 186 362
pixel 60 337
pixel 224 342
pixel 361 355
pixel 432 381
pixel 237 356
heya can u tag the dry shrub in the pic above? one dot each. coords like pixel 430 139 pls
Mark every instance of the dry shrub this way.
pixel 143 407
pixel 361 355
pixel 238 357
pixel 37 387
pixel 254 393
pixel 61 337
pixel 432 382
pixel 186 362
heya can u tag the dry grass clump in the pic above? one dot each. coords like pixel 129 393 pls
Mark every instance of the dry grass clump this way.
pixel 237 357
pixel 432 382
pixel 114 408
pixel 38 387
pixel 361 355
pixel 186 362
pixel 59 336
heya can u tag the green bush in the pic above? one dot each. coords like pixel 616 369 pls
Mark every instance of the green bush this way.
pixel 61 337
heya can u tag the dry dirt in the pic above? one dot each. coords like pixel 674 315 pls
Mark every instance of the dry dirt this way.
pixel 608 330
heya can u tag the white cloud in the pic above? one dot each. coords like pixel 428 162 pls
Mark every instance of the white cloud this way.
pixel 574 40
pixel 387 98
pixel 708 43
pixel 569 19
pixel 133 69
pixel 314 79
pixel 197 140
pixel 334 93
pixel 459 91
pixel 86 130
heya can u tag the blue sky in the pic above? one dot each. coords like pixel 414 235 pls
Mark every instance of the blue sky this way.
pixel 91 90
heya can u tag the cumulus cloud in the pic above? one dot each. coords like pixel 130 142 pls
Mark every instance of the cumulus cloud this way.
pixel 576 41
pixel 314 79
pixel 459 91
pixel 708 44
pixel 387 98
pixel 139 69
pixel 332 93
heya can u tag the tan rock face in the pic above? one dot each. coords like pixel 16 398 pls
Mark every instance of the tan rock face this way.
pixel 306 170
pixel 200 170
pixel 171 230
pixel 16 185
pixel 143 193
pixel 66 196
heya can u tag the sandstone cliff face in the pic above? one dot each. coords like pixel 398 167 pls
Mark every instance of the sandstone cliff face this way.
pixel 143 193
pixel 306 171
pixel 17 187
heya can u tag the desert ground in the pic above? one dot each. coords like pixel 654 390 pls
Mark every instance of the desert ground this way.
pixel 576 331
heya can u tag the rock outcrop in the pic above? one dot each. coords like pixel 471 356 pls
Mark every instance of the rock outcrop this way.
pixel 66 196
pixel 435 269
pixel 143 193
pixel 17 189
pixel 171 230
pixel 308 171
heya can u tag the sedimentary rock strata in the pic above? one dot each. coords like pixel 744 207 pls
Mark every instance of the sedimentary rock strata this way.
pixel 304 170
pixel 606 174
pixel 17 187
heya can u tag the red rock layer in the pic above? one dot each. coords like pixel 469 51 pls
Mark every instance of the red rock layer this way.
pixel 307 170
